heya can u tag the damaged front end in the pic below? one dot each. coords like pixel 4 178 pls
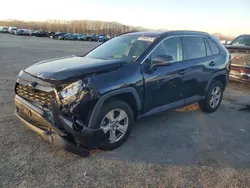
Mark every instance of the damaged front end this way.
pixel 59 113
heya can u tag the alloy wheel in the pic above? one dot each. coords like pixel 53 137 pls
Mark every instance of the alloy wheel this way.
pixel 215 97
pixel 115 124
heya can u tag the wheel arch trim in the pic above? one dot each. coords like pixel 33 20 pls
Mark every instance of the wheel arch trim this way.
pixel 100 102
pixel 222 72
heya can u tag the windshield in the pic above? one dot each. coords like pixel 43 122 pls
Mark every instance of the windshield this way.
pixel 241 40
pixel 123 47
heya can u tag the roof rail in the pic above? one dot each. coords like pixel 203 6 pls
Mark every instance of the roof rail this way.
pixel 126 33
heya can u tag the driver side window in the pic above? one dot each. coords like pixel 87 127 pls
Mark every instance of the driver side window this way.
pixel 171 47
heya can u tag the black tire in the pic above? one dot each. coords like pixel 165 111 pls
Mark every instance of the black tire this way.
pixel 205 105
pixel 109 106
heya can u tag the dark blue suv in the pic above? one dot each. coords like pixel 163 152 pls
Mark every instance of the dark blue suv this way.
pixel 92 101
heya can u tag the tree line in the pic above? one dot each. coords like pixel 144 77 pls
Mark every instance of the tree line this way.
pixel 73 26
pixel 81 26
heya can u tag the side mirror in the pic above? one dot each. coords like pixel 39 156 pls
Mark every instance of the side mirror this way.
pixel 160 60
pixel 227 42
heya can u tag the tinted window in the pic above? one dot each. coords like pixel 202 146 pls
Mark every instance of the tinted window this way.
pixel 209 52
pixel 171 47
pixel 214 48
pixel 241 40
pixel 194 47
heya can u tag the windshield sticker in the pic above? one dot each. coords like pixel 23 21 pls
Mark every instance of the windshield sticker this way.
pixel 149 39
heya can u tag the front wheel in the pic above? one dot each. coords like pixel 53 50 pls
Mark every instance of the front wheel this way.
pixel 213 98
pixel 115 119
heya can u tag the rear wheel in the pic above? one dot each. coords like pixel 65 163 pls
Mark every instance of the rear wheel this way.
pixel 213 98
pixel 115 119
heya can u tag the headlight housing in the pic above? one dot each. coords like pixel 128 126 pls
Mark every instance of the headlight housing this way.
pixel 70 92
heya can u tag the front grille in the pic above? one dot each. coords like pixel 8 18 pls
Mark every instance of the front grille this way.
pixel 28 93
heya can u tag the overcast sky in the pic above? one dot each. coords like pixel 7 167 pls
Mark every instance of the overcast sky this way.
pixel 231 17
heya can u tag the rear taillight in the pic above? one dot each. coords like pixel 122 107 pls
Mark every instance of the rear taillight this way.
pixel 241 69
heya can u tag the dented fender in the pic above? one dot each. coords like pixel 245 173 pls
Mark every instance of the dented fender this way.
pixel 80 102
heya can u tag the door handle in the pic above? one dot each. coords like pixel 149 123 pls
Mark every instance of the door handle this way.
pixel 212 63
pixel 183 71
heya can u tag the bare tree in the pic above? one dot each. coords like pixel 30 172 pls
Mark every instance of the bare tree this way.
pixel 74 26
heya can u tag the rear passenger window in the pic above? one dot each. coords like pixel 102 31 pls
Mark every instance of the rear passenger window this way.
pixel 213 46
pixel 194 47
pixel 209 52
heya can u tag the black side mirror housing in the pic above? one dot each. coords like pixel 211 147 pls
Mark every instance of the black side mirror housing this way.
pixel 160 60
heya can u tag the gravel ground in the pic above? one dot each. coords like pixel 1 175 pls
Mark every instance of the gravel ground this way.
pixel 184 148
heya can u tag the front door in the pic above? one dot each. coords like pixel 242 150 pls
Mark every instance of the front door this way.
pixel 163 85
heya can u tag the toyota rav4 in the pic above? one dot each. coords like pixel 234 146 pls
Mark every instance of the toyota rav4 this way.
pixel 92 101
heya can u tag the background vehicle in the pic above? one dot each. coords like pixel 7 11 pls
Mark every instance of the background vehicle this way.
pixel 95 109
pixel 102 38
pixel 81 37
pixel 78 35
pixel 12 30
pixel 25 32
pixel 39 33
pixel 239 49
pixel 94 38
pixel 70 36
pixel 225 42
pixel 88 37
pixel 18 32
pixel 61 36
pixel 51 34
pixel 58 34
pixel 4 29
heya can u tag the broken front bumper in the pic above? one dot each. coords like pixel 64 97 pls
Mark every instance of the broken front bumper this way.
pixel 66 137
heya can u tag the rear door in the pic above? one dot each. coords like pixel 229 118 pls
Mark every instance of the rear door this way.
pixel 197 67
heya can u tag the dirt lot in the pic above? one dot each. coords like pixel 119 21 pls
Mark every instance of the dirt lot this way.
pixel 185 148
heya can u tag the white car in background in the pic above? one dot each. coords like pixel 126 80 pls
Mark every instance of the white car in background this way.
pixel 12 30
pixel 4 29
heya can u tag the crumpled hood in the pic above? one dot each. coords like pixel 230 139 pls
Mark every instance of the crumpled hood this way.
pixel 71 67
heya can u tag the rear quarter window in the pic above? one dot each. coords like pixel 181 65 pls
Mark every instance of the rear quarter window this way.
pixel 194 47
pixel 213 46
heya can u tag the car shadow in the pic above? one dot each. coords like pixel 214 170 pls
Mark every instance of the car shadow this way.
pixel 188 137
